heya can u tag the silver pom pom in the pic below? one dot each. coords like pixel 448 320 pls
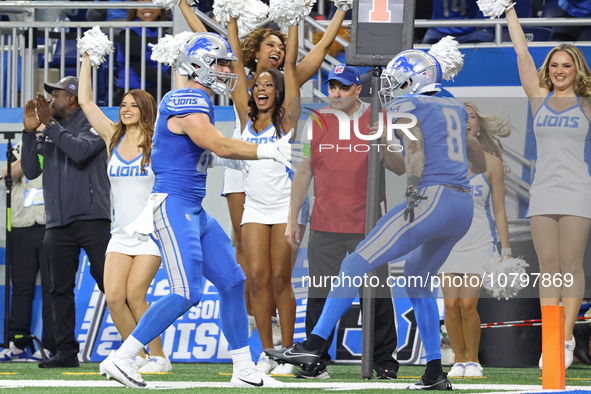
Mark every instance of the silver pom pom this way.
pixel 168 4
pixel 502 278
pixel 494 8
pixel 166 51
pixel 96 44
pixel 249 13
pixel 289 12
pixel 343 5
pixel 448 54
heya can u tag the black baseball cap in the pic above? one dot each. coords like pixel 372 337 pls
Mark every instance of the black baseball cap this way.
pixel 69 84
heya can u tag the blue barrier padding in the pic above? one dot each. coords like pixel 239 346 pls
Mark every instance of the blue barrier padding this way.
pixel 15 115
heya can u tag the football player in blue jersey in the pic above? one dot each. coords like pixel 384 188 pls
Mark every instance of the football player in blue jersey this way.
pixel 437 212
pixel 192 244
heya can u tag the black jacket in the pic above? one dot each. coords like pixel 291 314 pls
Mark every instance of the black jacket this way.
pixel 75 182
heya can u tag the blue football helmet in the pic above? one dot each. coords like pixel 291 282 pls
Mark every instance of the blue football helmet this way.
pixel 410 72
pixel 199 57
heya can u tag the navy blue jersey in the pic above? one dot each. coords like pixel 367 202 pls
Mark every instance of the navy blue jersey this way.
pixel 443 123
pixel 576 8
pixel 179 164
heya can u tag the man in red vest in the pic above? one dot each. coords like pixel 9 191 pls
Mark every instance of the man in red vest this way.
pixel 339 167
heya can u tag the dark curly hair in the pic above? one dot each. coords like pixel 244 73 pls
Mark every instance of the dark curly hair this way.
pixel 278 111
pixel 252 44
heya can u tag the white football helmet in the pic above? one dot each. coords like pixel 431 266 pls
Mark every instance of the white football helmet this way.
pixel 198 58
pixel 410 72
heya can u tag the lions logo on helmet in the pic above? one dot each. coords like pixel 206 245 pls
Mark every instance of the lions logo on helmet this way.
pixel 410 72
pixel 199 58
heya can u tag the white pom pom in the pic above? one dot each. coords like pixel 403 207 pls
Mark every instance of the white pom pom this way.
pixel 192 2
pixel 447 53
pixel 289 12
pixel 249 13
pixel 168 4
pixel 343 5
pixel 494 8
pixel 96 44
pixel 502 278
pixel 166 51
pixel 254 13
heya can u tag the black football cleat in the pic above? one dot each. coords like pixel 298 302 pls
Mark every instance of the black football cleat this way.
pixel 441 383
pixel 315 371
pixel 295 354
pixel 385 372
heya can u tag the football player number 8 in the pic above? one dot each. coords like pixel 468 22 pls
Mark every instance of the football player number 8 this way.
pixel 455 147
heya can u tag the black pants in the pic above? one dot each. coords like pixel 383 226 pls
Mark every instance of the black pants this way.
pixel 27 257
pixel 326 252
pixel 63 245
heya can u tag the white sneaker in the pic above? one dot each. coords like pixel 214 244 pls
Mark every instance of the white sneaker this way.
pixel 38 357
pixel 265 364
pixel 283 369
pixel 276 327
pixel 457 370
pixel 12 353
pixel 141 361
pixel 122 371
pixel 156 364
pixel 473 370
pixel 252 378
pixel 569 348
pixel 252 325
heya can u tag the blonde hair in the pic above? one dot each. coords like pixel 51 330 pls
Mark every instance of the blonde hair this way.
pixel 492 127
pixel 582 83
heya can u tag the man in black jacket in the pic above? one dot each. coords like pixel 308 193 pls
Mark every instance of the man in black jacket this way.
pixel 77 203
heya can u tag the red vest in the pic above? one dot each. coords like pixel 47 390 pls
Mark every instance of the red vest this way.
pixel 340 177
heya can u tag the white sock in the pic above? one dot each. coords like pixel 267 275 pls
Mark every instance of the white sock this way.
pixel 241 358
pixel 129 349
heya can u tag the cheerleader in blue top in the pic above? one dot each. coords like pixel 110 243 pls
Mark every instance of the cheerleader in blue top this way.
pixel 559 209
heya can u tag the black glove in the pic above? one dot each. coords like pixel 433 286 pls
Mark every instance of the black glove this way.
pixel 412 200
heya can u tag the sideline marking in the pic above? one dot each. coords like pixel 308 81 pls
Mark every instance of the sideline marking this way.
pixel 338 386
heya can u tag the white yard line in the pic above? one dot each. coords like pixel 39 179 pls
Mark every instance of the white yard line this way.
pixel 334 386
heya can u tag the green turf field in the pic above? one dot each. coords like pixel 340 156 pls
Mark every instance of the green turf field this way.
pixel 214 378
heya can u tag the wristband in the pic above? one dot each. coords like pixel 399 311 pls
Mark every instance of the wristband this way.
pixel 413 181
pixel 506 251
pixel 510 6
pixel 265 151
pixel 344 7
